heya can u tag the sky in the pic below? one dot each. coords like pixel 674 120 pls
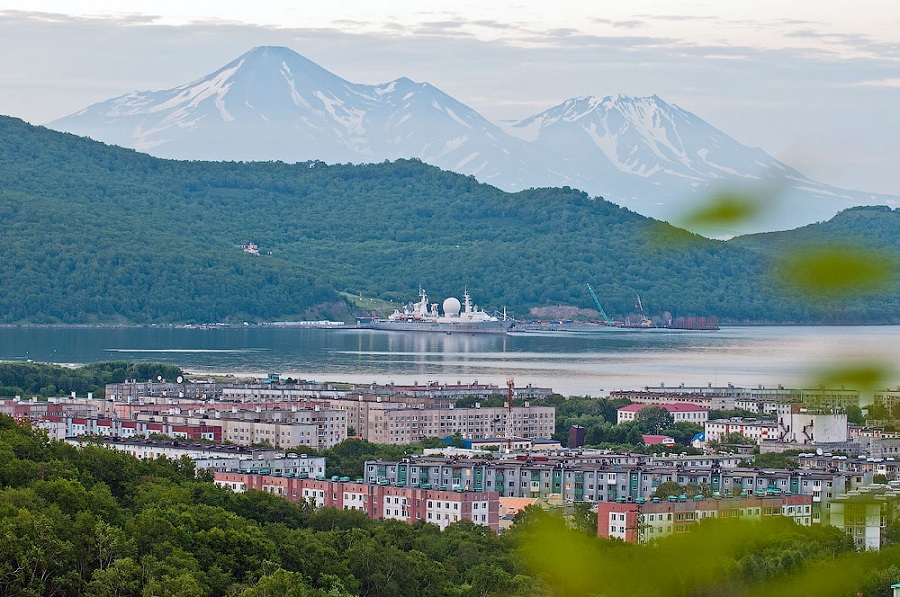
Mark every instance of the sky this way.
pixel 814 83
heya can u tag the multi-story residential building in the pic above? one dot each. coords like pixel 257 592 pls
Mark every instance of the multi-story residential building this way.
pixel 217 457
pixel 795 424
pixel 377 500
pixel 704 397
pixel 315 427
pixel 803 425
pixel 603 479
pixel 435 393
pixel 758 400
pixel 645 521
pixel 35 409
pixel 876 443
pixel 61 427
pixel 140 391
pixel 889 399
pixel 280 392
pixel 865 513
pixel 398 423
pixel 274 388
pixel 759 431
pixel 681 412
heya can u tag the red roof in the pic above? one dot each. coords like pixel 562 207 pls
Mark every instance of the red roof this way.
pixel 650 439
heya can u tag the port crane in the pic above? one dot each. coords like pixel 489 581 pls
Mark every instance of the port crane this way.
pixel 645 321
pixel 606 318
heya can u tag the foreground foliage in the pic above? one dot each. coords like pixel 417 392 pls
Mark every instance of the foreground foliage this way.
pixel 95 522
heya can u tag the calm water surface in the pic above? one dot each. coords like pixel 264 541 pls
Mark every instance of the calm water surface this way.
pixel 579 362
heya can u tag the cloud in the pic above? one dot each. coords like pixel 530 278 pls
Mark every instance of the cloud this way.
pixel 621 23
pixel 678 17
pixel 790 101
pixel 895 82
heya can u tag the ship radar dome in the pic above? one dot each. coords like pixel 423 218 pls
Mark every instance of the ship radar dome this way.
pixel 451 306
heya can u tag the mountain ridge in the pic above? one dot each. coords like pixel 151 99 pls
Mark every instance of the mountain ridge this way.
pixel 271 103
pixel 102 234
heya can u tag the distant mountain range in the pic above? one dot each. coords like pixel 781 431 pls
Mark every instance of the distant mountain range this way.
pixel 642 153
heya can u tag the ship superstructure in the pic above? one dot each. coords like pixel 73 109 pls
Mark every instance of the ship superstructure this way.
pixel 423 316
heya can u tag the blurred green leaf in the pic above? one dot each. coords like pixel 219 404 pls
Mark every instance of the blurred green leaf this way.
pixel 837 270
pixel 724 209
pixel 861 376
pixel 737 558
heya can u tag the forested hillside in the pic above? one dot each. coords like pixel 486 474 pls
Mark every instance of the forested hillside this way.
pixel 98 523
pixel 103 234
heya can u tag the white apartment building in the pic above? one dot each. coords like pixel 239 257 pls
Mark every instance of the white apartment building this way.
pixel 317 427
pixel 758 431
pixel 689 413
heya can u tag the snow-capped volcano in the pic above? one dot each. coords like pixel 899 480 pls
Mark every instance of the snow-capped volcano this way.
pixel 273 104
pixel 644 136
pixel 661 160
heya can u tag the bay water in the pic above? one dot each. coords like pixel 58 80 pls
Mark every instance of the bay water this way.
pixel 583 362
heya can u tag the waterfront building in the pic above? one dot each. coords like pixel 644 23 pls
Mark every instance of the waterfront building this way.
pixel 757 400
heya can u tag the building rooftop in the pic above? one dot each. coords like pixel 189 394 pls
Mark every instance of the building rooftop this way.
pixel 672 408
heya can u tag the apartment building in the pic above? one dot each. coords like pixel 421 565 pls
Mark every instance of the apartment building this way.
pixel 607 481
pixel 865 513
pixel 400 423
pixel 681 413
pixel 62 427
pixel 216 457
pixel 759 431
pixel 35 409
pixel 316 427
pixel 760 399
pixel 377 500
pixel 646 521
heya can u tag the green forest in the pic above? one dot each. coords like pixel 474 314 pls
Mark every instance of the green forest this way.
pixel 41 380
pixel 101 234
pixel 91 521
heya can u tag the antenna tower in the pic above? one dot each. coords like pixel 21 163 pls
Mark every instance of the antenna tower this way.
pixel 510 384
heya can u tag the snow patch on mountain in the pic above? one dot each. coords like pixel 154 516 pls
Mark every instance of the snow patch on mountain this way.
pixel 273 104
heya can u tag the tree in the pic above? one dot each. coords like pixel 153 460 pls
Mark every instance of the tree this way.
pixel 584 518
pixel 121 579
pixel 733 437
pixel 667 488
pixel 280 583
pixel 653 419
pixel 785 460
pixel 855 415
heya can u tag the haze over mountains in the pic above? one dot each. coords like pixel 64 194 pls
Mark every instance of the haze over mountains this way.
pixel 643 153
